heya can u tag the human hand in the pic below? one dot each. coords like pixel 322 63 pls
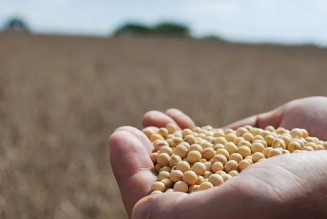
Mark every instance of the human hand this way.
pixel 287 185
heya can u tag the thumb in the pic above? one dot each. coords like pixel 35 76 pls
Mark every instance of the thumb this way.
pixel 262 120
pixel 216 203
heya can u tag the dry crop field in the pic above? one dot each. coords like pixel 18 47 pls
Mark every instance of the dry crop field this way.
pixel 61 97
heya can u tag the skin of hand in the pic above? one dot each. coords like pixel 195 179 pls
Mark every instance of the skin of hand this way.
pixel 287 186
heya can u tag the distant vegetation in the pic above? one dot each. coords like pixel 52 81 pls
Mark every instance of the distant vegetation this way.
pixel 16 24
pixel 161 29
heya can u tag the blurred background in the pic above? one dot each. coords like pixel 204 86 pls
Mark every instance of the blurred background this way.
pixel 72 71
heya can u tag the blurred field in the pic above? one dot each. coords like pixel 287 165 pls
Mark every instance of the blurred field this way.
pixel 61 97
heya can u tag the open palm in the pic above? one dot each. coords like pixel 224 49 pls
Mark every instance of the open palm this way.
pixel 290 185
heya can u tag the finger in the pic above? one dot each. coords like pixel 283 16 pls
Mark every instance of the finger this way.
pixel 140 136
pixel 262 120
pixel 157 119
pixel 131 166
pixel 181 118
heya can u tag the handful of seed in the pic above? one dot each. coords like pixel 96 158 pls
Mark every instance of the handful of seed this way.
pixel 193 160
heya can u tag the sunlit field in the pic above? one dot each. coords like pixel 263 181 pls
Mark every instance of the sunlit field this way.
pixel 61 98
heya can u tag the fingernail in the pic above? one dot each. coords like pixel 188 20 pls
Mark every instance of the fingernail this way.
pixel 142 211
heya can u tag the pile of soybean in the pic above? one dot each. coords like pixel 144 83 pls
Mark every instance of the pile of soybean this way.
pixel 199 159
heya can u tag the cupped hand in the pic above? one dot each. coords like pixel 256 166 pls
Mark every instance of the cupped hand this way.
pixel 292 185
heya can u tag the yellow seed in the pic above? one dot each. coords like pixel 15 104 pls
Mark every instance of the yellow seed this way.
pixel 270 128
pixel 265 133
pixel 171 127
pixel 278 143
pixel 178 134
pixel 219 146
pixel 163 175
pixel 285 151
pixel 256 131
pixel 158 186
pixel 238 140
pixel 257 156
pixel 208 165
pixel 157 168
pixel 217 166
pixel 257 147
pixel 205 186
pixel 287 139
pixel 159 144
pixel 155 137
pixel 231 147
pixel 183 166
pixel 219 157
pixel 320 147
pixel 216 179
pixel 186 132
pixel 165 168
pixel 153 157
pixel 196 147
pixel 208 153
pixel 226 177
pixel 236 156
pixel 148 131
pixel 206 144
pixel 163 132
pixel 244 164
pixel 220 140
pixel 193 156
pixel 176 175
pixel 180 186
pixel 190 139
pixel 199 168
pixel 233 173
pixel 200 180
pixel 231 165
pixel 168 183
pixel 258 137
pixel 207 174
pixel 325 145
pixel 223 152
pixel 156 192
pixel 281 131
pixel 269 139
pixel 294 146
pixel 296 133
pixel 163 159
pixel 190 177
pixel 266 152
pixel 174 159
pixel 229 131
pixel 231 137
pixel 274 152
pixel 176 141
pixel 308 148
pixel 248 136
pixel 169 190
pixel 240 131
pixel 304 133
pixel 166 149
pixel 220 172
pixel 249 128
pixel 219 133
pixel 244 151
pixel 181 150
pixel 193 188
pixel 244 143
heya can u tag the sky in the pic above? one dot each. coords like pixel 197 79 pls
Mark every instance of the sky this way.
pixel 252 21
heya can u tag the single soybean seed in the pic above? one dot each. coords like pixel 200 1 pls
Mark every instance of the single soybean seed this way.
pixel 216 179
pixel 231 165
pixel 190 177
pixel 217 166
pixel 183 166
pixel 193 156
pixel 205 186
pixel 180 186
pixel 158 186
pixel 199 168
pixel 176 175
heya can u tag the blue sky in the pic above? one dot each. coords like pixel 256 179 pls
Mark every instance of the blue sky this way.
pixel 276 21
